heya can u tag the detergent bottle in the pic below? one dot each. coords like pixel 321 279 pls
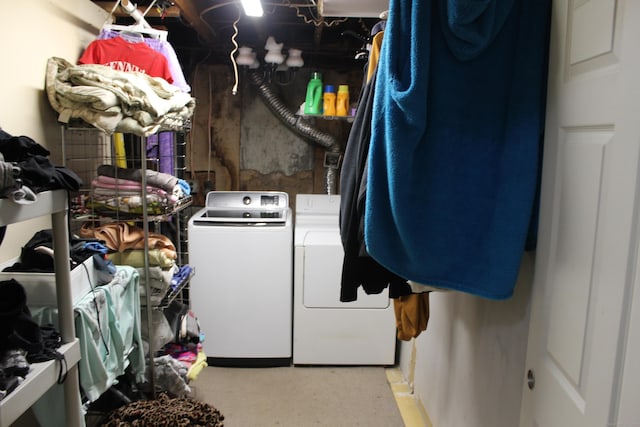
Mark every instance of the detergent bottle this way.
pixel 313 101
pixel 342 103
pixel 329 106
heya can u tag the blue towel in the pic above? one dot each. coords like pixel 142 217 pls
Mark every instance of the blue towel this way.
pixel 457 126
pixel 180 276
pixel 184 186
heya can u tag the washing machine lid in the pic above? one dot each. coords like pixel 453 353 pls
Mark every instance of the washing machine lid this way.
pixel 245 207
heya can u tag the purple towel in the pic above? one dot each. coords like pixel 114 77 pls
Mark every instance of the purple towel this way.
pixel 160 147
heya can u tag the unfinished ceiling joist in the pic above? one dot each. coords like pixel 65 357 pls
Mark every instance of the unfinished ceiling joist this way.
pixel 191 14
pixel 170 12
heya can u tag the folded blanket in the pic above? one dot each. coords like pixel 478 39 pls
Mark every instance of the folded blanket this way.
pixel 114 194
pixel 155 179
pixel 127 203
pixel 117 185
pixel 113 100
pixel 135 258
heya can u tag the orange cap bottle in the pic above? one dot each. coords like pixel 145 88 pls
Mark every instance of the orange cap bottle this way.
pixel 329 100
pixel 342 102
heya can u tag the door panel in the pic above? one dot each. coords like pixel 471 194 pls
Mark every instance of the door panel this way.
pixel 579 174
pixel 586 263
pixel 588 41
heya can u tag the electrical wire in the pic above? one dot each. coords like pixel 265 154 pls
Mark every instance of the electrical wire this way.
pixel 315 20
pixel 209 9
pixel 209 140
pixel 234 90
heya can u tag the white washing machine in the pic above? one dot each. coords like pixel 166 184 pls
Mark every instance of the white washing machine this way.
pixel 240 246
pixel 327 331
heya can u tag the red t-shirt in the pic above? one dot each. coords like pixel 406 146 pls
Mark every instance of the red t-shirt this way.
pixel 122 55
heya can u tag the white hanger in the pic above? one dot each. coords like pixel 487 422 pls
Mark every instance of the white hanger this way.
pixel 141 26
pixel 129 29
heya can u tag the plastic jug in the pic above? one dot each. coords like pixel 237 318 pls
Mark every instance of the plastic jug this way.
pixel 329 106
pixel 342 102
pixel 313 101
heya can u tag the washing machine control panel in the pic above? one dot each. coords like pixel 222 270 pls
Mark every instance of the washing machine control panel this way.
pixel 244 199
pixel 239 206
pixel 272 200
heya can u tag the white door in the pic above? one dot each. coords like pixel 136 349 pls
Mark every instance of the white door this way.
pixel 583 355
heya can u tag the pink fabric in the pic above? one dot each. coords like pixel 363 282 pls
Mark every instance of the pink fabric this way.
pixel 110 183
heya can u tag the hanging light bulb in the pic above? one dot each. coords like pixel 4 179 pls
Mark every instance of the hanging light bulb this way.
pixel 245 56
pixel 273 57
pixel 274 52
pixel 276 68
pixel 295 58
pixel 286 72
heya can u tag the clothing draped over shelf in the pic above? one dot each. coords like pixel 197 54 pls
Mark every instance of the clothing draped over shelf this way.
pixel 25 170
pixel 109 328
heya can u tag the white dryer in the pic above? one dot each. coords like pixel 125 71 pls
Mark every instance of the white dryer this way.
pixel 240 246
pixel 327 331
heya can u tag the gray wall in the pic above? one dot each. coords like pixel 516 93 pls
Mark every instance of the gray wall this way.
pixel 468 366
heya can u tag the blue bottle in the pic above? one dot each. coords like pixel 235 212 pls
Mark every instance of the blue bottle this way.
pixel 313 102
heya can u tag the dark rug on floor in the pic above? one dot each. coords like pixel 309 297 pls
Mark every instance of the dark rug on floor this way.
pixel 166 412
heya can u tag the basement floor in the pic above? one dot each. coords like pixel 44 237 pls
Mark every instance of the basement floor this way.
pixel 300 396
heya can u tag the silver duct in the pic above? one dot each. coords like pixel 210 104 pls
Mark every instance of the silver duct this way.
pixel 300 127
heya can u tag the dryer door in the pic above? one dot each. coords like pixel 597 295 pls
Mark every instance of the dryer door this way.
pixel 323 256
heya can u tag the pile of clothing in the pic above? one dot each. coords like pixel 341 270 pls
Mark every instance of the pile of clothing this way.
pixel 22 340
pixel 36 256
pixel 126 247
pixel 115 101
pixel 25 170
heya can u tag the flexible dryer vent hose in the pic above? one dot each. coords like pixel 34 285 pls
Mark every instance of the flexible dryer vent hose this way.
pixel 297 125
